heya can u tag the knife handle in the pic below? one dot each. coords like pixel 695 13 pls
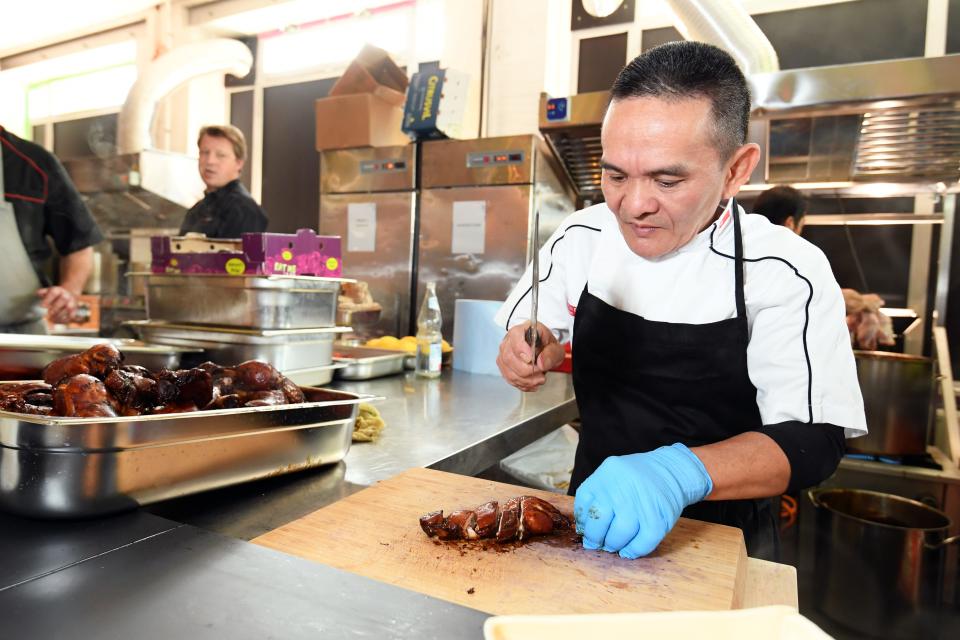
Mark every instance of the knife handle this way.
pixel 532 336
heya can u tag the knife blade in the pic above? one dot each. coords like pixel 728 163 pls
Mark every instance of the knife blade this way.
pixel 531 335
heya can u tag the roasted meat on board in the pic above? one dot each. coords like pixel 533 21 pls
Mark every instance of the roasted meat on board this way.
pixel 518 519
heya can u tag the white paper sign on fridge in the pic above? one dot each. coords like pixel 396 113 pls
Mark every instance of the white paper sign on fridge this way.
pixel 362 226
pixel 469 226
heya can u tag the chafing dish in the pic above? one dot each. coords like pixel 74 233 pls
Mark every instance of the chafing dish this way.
pixel 25 356
pixel 254 302
pixel 364 363
pixel 285 349
pixel 55 467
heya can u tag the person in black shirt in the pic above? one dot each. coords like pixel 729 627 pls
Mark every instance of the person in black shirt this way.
pixel 39 202
pixel 227 210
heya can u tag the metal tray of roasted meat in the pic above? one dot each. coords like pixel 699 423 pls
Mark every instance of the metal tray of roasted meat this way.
pixel 56 467
pixel 285 349
pixel 251 302
pixel 365 363
pixel 25 356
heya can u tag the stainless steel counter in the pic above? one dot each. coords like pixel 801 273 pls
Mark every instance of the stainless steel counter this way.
pixel 460 422
pixel 157 573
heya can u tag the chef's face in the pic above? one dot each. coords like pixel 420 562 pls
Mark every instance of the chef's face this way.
pixel 218 163
pixel 663 177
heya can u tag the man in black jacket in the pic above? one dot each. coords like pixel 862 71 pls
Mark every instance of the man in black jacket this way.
pixel 39 203
pixel 227 210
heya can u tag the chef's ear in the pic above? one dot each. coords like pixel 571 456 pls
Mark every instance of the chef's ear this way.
pixel 739 167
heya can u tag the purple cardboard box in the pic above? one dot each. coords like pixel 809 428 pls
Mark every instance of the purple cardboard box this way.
pixel 303 254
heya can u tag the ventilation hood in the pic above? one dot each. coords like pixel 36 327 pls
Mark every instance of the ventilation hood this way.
pixel 894 121
pixel 838 127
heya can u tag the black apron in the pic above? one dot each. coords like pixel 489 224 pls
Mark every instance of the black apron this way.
pixel 642 384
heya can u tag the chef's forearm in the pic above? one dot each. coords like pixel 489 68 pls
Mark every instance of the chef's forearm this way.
pixel 75 268
pixel 749 465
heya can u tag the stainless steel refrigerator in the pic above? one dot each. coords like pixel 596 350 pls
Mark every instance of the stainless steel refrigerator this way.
pixel 368 198
pixel 477 203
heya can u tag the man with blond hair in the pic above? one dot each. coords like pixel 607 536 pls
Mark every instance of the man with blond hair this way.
pixel 227 209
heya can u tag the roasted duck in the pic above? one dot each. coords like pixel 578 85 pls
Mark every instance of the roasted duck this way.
pixel 518 519
pixel 96 383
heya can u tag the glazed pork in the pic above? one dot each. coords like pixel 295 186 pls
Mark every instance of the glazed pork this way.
pixel 96 383
pixel 35 398
pixel 97 361
pixel 518 519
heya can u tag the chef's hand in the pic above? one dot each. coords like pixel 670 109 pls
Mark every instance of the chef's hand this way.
pixel 60 303
pixel 631 502
pixel 516 357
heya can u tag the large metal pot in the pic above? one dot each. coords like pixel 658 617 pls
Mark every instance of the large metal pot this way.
pixel 879 562
pixel 898 400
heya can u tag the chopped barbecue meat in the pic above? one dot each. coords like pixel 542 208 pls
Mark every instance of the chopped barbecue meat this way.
pixel 97 383
pixel 509 526
pixel 488 518
pixel 520 518
pixel 83 396
pixel 35 398
pixel 134 391
pixel 97 361
pixel 464 522
pixel 264 398
pixel 174 407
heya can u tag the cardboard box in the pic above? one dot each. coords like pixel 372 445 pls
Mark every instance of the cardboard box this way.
pixel 370 70
pixel 301 254
pixel 365 106
pixel 436 104
pixel 359 120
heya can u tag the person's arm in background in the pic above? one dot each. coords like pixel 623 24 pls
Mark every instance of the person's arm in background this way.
pixel 61 300
pixel 74 232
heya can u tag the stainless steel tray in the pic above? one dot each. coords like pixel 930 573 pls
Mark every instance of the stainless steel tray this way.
pixel 364 363
pixel 285 349
pixel 254 302
pixel 316 376
pixel 75 467
pixel 25 356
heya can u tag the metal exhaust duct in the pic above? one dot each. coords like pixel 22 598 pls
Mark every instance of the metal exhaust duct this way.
pixel 726 25
pixel 166 73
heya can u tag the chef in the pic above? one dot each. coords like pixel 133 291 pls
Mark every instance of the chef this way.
pixel 38 203
pixel 227 210
pixel 711 361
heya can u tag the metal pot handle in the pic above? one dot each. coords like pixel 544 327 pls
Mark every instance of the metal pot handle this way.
pixel 813 494
pixel 942 543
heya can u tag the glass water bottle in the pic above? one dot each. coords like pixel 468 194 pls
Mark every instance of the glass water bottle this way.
pixel 429 339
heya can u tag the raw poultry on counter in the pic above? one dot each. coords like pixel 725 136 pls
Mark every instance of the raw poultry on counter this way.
pixel 96 383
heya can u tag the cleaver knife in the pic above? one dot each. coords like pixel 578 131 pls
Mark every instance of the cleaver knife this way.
pixel 531 335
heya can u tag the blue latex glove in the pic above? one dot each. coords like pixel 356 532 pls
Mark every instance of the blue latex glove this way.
pixel 631 502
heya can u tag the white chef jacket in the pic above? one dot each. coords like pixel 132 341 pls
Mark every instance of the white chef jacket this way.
pixel 799 345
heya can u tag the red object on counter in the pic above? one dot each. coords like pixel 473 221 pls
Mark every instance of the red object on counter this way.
pixel 567 365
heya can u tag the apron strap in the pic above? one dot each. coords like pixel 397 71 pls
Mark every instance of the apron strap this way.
pixel 738 267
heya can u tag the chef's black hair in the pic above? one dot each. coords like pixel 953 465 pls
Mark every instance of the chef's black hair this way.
pixel 687 69
pixel 779 203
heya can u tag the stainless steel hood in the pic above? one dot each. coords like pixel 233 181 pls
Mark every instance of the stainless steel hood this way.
pixel 571 127
pixel 842 127
pixel 893 121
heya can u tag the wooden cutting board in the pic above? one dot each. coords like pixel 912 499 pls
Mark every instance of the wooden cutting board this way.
pixel 376 533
